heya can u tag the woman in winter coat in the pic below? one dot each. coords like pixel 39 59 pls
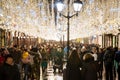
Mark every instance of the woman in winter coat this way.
pixel 73 66
pixel 89 68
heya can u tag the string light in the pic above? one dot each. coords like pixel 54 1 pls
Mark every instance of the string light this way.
pixel 37 18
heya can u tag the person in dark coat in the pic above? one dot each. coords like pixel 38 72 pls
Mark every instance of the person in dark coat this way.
pixel 89 69
pixel 9 70
pixel 37 61
pixel 108 63
pixel 117 59
pixel 100 62
pixel 73 66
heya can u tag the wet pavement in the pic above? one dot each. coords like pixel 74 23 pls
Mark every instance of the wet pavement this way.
pixel 50 75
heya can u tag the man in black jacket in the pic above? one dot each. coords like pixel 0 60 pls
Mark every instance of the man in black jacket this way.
pixel 9 71
pixel 108 62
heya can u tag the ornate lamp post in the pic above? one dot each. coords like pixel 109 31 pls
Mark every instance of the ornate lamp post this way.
pixel 77 7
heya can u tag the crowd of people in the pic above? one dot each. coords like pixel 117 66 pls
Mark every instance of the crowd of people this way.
pixel 89 62
pixel 28 60
pixel 83 62
pixel 19 63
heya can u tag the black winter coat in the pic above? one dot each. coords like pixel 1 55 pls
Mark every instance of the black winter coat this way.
pixel 9 72
pixel 90 71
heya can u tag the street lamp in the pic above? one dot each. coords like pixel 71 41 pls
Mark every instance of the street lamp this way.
pixel 77 7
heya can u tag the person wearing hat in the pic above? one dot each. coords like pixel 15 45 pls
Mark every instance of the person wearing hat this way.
pixel 26 66
pixel 9 70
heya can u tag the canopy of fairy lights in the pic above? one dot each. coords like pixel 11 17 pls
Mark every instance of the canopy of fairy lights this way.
pixel 40 18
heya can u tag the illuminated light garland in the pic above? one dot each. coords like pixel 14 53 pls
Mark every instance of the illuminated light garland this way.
pixel 37 18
